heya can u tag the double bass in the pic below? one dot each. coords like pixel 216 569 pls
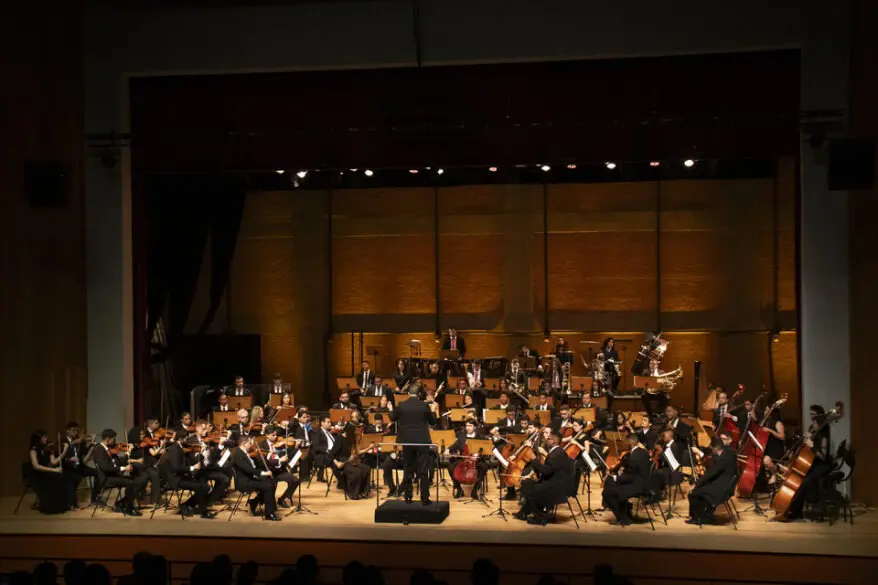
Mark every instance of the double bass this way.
pixel 752 450
pixel 801 461
pixel 727 424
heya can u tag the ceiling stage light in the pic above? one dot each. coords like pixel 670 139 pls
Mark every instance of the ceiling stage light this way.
pixel 368 172
pixel 689 163
pixel 610 165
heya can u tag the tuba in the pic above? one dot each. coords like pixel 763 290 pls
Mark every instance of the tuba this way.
pixel 669 380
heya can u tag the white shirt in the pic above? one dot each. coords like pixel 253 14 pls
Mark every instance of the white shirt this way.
pixel 329 440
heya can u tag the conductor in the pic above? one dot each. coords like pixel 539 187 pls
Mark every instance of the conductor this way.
pixel 413 418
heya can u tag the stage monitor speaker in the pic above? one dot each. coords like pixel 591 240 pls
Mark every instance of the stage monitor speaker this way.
pixel 398 512
pixel 45 183
pixel 851 164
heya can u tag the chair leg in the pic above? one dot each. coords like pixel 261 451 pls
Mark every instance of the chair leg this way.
pixel 731 514
pixel 235 507
pixel 649 516
pixel 20 500
pixel 581 511
pixel 329 477
pixel 575 521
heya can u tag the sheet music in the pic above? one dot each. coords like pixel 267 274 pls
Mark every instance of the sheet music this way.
pixel 588 460
pixel 296 458
pixel 672 461
pixel 500 458
pixel 224 458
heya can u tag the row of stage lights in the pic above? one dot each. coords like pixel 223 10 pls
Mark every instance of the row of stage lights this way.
pixel 688 163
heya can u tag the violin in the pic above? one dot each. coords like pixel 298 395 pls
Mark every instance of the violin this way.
pixel 622 461
pixel 118 448
pixel 158 438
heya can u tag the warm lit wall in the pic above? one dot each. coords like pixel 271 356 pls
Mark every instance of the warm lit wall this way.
pixel 42 266
pixel 715 288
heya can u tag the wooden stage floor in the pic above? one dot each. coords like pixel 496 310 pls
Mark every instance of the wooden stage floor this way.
pixel 338 519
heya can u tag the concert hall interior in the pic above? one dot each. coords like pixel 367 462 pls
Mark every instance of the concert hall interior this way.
pixel 615 264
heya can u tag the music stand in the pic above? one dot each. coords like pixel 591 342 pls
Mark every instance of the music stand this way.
pixel 544 416
pixel 449 354
pixel 226 419
pixel 287 413
pixel 500 511
pixel 587 414
pixel 493 415
pixel 338 414
pixel 238 402
pixel 300 509
pixel 368 401
pixel 344 384
pixel 442 438
pixel 453 401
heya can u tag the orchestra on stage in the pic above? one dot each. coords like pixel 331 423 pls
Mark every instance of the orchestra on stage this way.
pixel 521 430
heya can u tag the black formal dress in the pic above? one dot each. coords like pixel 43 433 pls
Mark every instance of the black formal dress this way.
pixel 413 420
pixel 554 485
pixel 50 487
pixel 809 491
pixel 715 486
pixel 634 481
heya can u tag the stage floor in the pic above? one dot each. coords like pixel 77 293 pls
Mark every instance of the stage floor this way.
pixel 338 519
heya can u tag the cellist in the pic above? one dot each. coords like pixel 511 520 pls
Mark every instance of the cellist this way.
pixel 631 483
pixel 818 440
pixel 470 431
pixel 714 487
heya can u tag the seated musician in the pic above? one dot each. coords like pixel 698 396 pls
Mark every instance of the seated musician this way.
pixel 563 425
pixel 356 475
pixel 476 377
pixel 714 487
pixel 277 384
pixel 47 478
pixel 401 376
pixel 527 352
pixel 241 428
pixel 222 404
pixel 646 433
pixel 343 402
pixel 546 405
pixel 286 400
pixel 581 437
pixel 184 427
pixel 462 387
pixel 386 461
pixel 215 459
pixel 818 439
pixel 75 449
pixel 326 444
pixel 148 450
pixel 621 424
pixel 278 457
pixel 469 404
pixel 240 389
pixel 515 377
pixel 470 431
pixel 633 481
pixel 118 475
pixel 384 405
pixel 682 431
pixel 184 462
pixel 441 380
pixel 510 423
pixel 538 498
pixel 380 389
pixel 250 477
pixel 668 463
pixel 504 402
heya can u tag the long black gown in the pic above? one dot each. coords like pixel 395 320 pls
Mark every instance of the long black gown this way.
pixel 49 486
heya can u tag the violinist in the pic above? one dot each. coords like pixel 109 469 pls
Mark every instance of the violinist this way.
pixel 149 450
pixel 668 456
pixel 326 444
pixel 682 431
pixel 818 439
pixel 183 466
pixel 251 475
pixel 646 434
pixel 184 427
pixel 714 487
pixel 538 498
pixel 621 423
pixel 46 476
pixel 75 450
pixel 241 428
pixel 117 475
pixel 304 432
pixel 278 459
pixel 401 376
pixel 215 459
pixel 631 482
pixel 470 431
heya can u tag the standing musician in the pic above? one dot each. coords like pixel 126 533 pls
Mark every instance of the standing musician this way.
pixel 116 475
pixel 562 351
pixel 776 444
pixel 611 362
pixel 818 439
pixel 470 431
pixel 454 342
pixel 366 377
pixel 183 463
pixel 250 477
pixel 401 376
pixel 278 459
pixel 476 377
pixel 554 484
pixel 632 482
pixel 240 389
pixel 74 451
pixel 413 419
pixel 715 486
pixel 722 409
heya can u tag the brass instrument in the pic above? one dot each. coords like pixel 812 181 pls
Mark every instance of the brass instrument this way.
pixel 669 380
pixel 565 377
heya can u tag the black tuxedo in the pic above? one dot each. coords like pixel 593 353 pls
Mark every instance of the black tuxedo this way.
pixel 461 344
pixel 72 464
pixel 365 379
pixel 233 391
pixel 682 431
pixel 413 420
pixel 382 390
pixel 715 486
pixel 649 437
pixel 556 482
pixel 517 377
pixel 548 407
pixel 505 428
pixel 634 481
pixel 113 477
pixel 248 477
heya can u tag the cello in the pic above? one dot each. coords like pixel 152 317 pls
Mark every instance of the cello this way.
pixel 752 450
pixel 517 462
pixel 800 462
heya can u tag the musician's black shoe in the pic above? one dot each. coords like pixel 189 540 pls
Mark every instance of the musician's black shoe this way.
pixel 457 493
pixel 282 503
pixel 272 517
pixel 253 505
pixel 425 501
pixel 539 519
pixel 510 494
pixel 208 515
pixel 693 521
pixel 520 516
pixel 132 511
pixel 391 492
pixel 625 521
pixel 119 508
